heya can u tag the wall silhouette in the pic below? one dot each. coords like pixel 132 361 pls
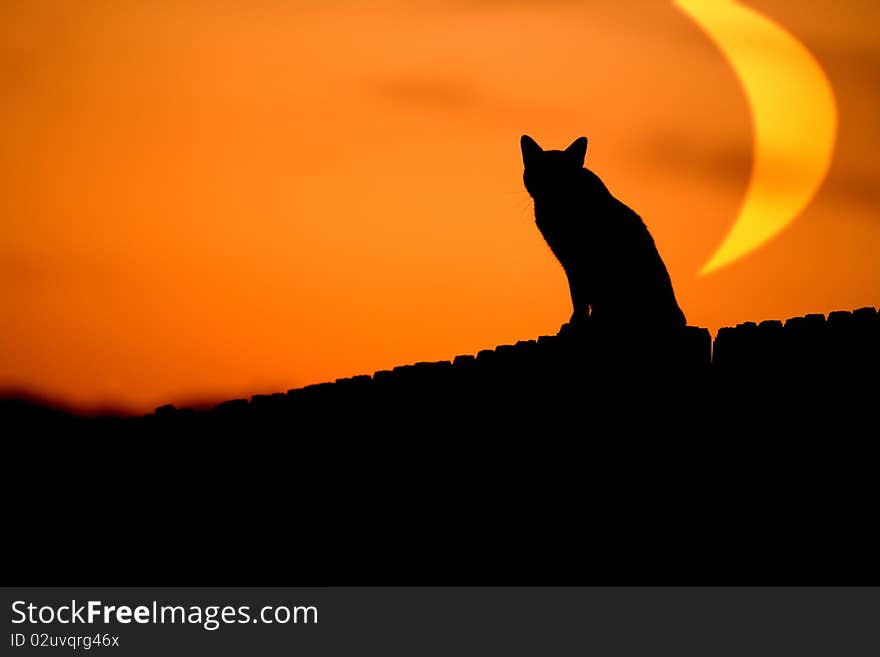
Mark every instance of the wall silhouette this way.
pixel 786 373
pixel 845 343
pixel 581 458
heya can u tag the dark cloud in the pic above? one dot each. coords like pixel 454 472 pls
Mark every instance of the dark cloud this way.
pixel 849 182
pixel 726 164
pixel 429 91
pixel 854 187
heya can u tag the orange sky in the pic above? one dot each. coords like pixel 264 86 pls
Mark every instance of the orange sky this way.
pixel 204 200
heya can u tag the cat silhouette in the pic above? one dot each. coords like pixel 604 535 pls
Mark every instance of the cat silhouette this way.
pixel 615 273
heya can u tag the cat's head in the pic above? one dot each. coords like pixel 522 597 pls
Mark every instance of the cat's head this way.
pixel 552 173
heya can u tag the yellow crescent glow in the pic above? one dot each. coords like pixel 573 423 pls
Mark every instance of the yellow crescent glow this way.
pixel 794 119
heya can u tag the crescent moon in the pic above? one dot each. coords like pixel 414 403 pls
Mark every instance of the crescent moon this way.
pixel 794 118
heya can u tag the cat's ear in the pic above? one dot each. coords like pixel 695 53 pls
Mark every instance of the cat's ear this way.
pixel 530 149
pixel 578 150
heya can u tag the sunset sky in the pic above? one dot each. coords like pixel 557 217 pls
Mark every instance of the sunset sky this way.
pixel 210 199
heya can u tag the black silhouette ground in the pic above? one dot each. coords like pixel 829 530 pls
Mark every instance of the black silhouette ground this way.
pixel 585 458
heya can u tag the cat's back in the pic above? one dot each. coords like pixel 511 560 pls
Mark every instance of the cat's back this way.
pixel 602 214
